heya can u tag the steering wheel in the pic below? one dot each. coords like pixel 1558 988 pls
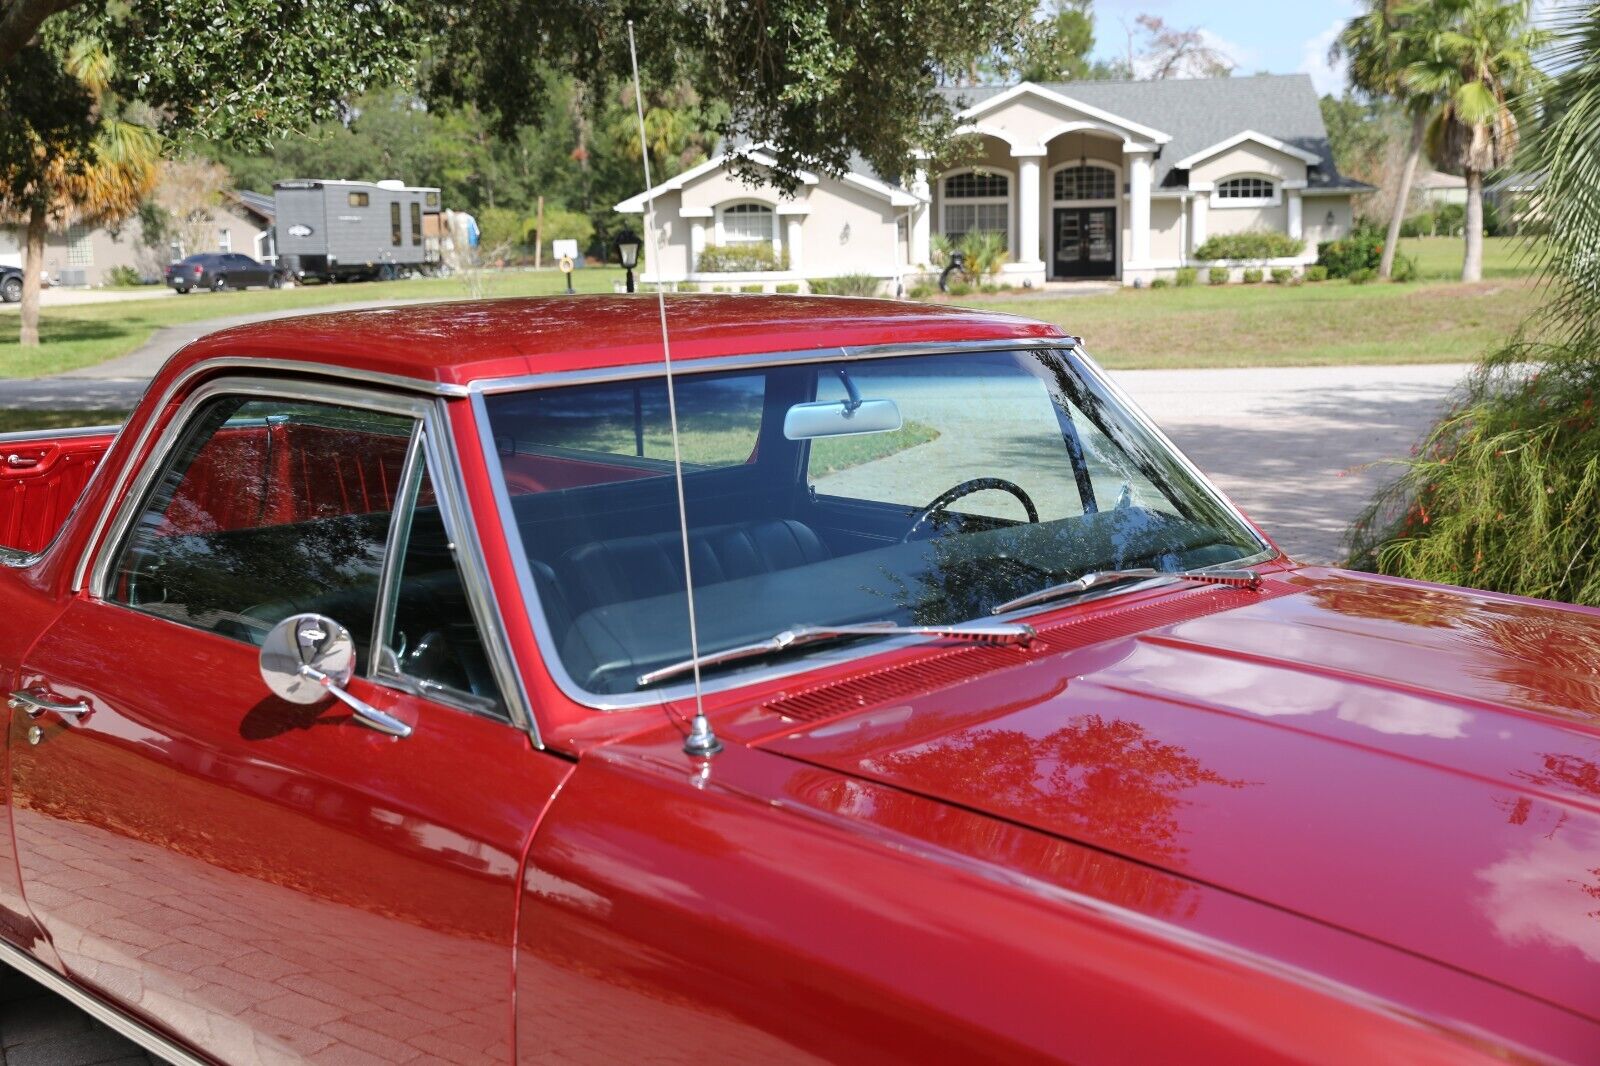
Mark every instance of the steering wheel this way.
pixel 978 484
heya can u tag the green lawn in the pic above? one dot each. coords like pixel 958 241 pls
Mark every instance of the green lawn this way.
pixel 86 334
pixel 1273 325
pixel 1439 258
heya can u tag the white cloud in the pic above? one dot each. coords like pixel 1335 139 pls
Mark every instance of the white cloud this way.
pixel 1325 76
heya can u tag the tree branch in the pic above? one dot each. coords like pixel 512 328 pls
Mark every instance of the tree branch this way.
pixel 20 20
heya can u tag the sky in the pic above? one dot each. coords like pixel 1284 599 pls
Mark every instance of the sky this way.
pixel 1283 38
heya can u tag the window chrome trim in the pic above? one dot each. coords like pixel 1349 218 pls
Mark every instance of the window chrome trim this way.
pixel 461 526
pixel 528 590
pixel 394 547
pixel 80 574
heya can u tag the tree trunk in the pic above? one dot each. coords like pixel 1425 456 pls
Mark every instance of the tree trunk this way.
pixel 1472 262
pixel 1402 196
pixel 32 277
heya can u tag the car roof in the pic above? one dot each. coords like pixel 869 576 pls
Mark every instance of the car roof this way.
pixel 458 343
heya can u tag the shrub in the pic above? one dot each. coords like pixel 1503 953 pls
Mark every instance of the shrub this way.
pixel 1417 226
pixel 788 287
pixel 1159 283
pixel 1405 268
pixel 1252 276
pixel 1317 273
pixel 735 258
pixel 1362 250
pixel 921 291
pixel 1282 275
pixel 1185 277
pixel 1362 276
pixel 960 288
pixel 752 288
pixel 1449 219
pixel 939 250
pixel 845 285
pixel 1254 244
pixel 1218 275
pixel 123 275
pixel 984 253
pixel 688 286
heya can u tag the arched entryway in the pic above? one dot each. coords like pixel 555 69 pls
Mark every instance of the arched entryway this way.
pixel 1085 222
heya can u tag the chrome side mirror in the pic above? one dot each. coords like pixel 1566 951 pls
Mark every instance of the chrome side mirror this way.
pixel 308 657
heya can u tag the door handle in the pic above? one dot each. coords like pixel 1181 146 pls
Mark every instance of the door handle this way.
pixel 33 705
pixel 17 461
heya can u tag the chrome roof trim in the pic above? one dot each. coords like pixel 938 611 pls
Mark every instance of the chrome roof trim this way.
pixel 231 362
pixel 98 1008
pixel 713 364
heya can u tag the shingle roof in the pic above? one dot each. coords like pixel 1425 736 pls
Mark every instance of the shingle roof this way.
pixel 265 206
pixel 1200 112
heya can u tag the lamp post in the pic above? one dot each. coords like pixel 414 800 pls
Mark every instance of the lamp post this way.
pixel 627 246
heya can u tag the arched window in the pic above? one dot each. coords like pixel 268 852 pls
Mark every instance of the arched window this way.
pixel 976 200
pixel 748 224
pixel 1245 191
pixel 1085 181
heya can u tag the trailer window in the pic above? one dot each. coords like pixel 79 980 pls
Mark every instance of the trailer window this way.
pixel 394 224
pixel 416 222
pixel 359 199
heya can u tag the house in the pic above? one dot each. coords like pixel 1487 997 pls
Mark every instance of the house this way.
pixel 1120 180
pixel 87 255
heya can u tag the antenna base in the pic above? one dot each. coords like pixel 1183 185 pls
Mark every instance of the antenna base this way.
pixel 701 741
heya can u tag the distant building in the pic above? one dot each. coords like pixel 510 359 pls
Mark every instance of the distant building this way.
pixel 86 255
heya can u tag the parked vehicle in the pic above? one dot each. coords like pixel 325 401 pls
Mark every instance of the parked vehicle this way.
pixel 10 284
pixel 331 230
pixel 352 679
pixel 221 270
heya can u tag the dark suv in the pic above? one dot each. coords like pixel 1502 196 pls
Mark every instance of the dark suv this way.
pixel 221 270
pixel 10 284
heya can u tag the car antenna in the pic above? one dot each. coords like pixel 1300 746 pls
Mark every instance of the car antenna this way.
pixel 702 740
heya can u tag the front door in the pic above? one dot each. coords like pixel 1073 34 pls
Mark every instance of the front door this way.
pixel 264 880
pixel 1086 242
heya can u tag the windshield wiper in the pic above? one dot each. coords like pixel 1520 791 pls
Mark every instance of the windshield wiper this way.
pixel 1244 579
pixel 800 636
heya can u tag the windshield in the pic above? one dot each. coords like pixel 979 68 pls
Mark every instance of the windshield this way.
pixel 920 490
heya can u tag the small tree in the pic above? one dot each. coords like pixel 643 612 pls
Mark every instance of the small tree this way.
pixel 189 191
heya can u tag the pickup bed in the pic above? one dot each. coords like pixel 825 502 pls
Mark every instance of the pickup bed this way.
pixel 41 477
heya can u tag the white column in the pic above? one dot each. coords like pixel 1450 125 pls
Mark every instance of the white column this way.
pixel 697 242
pixel 1027 249
pixel 1296 225
pixel 1197 219
pixel 791 238
pixel 1139 205
pixel 921 250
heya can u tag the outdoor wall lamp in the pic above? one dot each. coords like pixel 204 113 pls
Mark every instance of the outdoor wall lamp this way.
pixel 627 246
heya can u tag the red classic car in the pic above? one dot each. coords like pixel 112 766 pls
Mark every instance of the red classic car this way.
pixel 351 681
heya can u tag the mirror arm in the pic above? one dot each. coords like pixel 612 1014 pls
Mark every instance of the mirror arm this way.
pixel 851 391
pixel 364 713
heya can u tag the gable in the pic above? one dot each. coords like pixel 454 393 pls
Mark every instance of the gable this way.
pixel 1027 116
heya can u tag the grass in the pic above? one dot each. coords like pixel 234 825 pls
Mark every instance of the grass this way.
pixel 16 420
pixel 829 455
pixel 1326 324
pixel 1439 258
pixel 86 334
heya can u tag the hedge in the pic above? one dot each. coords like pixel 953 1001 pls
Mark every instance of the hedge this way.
pixel 1254 244
pixel 738 258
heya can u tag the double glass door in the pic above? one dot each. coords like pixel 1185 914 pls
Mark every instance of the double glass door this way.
pixel 1085 242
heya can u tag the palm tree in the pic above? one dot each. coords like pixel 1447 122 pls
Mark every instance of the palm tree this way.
pixel 1382 44
pixel 1478 60
pixel 106 185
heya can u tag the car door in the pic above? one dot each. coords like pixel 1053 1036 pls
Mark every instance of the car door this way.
pixel 249 271
pixel 258 878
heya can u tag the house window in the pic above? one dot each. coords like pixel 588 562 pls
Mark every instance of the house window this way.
pixel 1086 182
pixel 80 252
pixel 977 201
pixel 395 236
pixel 359 199
pixel 224 241
pixel 1245 192
pixel 749 224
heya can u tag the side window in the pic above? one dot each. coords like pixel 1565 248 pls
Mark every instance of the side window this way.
pixel 432 639
pixel 267 508
pixel 394 224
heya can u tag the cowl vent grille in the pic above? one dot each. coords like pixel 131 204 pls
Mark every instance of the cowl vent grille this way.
pixel 975 660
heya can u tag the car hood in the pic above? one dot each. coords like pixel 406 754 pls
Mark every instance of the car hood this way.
pixel 1413 764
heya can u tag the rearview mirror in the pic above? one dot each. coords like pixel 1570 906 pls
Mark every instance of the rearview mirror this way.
pixel 841 418
pixel 308 657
